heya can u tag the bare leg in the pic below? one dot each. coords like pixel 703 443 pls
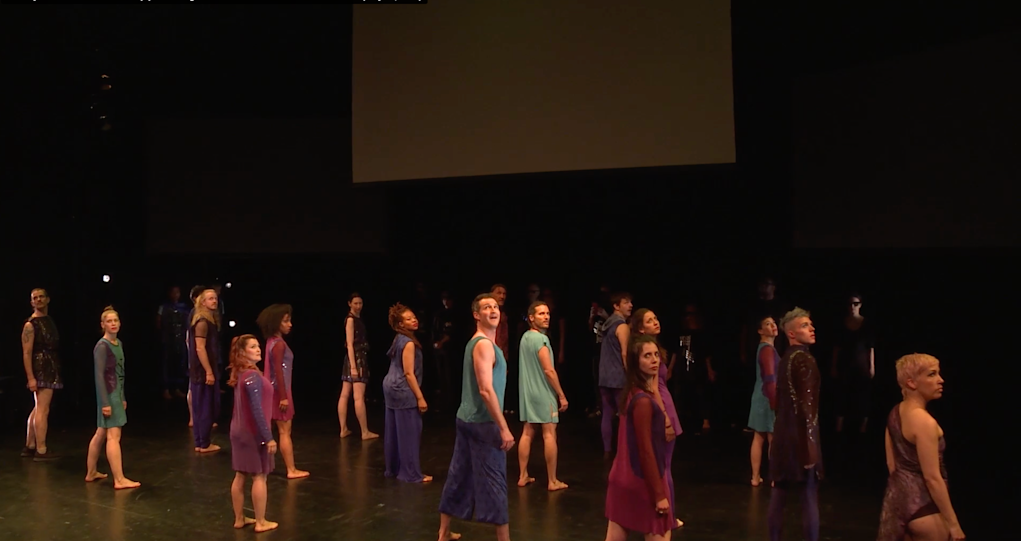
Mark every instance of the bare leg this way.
pixel 95 446
pixel 503 532
pixel 756 457
pixel 929 528
pixel 237 498
pixel 113 456
pixel 445 533
pixel 259 497
pixel 360 412
pixel 30 431
pixel 345 396
pixel 549 444
pixel 524 450
pixel 191 420
pixel 656 537
pixel 41 418
pixel 287 450
pixel 614 532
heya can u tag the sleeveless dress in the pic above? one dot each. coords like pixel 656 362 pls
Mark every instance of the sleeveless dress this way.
pixel 361 349
pixel 761 416
pixel 108 361
pixel 45 353
pixel 278 372
pixel 907 496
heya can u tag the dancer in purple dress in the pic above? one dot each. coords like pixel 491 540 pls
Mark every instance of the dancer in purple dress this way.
pixel 355 370
pixel 638 493
pixel 275 323
pixel 251 439
pixel 917 502
pixel 645 322
pixel 405 403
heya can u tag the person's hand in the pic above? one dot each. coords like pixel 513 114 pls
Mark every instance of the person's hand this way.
pixel 956 533
pixel 107 411
pixel 271 446
pixel 283 404
pixel 563 404
pixel 210 378
pixel 32 385
pixel 507 439
pixel 422 406
pixel 125 404
pixel 662 506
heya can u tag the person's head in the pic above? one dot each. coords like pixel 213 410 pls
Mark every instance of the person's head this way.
pixel 798 328
pixel 40 299
pixel 195 292
pixel 643 364
pixel 208 300
pixel 486 311
pixel 644 321
pixel 110 321
pixel 244 353
pixel 767 287
pixel 692 317
pixel 919 374
pixel 533 292
pixel 538 316
pixel 402 319
pixel 446 300
pixel 175 294
pixel 854 304
pixel 621 302
pixel 768 328
pixel 499 293
pixel 355 303
pixel 275 319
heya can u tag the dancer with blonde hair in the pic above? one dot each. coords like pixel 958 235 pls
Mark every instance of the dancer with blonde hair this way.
pixel 204 369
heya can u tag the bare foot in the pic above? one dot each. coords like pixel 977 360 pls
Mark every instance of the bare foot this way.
pixel 215 425
pixel 556 485
pixel 211 449
pixel 246 522
pixel 190 424
pixel 297 474
pixel 756 482
pixel 126 483
pixel 427 479
pixel 450 535
pixel 522 481
pixel 345 433
pixel 265 526
pixel 679 523
pixel 369 435
pixel 94 476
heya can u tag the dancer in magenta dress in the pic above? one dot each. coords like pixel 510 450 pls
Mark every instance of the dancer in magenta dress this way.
pixel 251 440
pixel 638 494
pixel 275 323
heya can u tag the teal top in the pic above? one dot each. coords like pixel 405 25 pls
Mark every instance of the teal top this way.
pixel 538 400
pixel 473 409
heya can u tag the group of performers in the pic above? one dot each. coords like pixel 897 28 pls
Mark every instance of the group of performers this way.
pixel 632 377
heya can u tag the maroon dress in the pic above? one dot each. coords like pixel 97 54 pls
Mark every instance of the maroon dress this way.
pixel 640 476
pixel 278 369
pixel 249 424
pixel 907 496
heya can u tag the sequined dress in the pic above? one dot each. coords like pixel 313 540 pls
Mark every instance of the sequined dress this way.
pixel 249 424
pixel 796 429
pixel 907 496
pixel 278 368
pixel 361 349
pixel 46 353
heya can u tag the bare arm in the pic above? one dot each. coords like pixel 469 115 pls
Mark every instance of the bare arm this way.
pixel 349 336
pixel 201 332
pixel 872 362
pixel 623 332
pixel 483 359
pixel 408 360
pixel 890 464
pixel 27 341
pixel 551 374
pixel 927 445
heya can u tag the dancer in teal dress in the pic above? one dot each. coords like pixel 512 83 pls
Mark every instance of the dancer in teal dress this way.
pixel 761 416
pixel 108 358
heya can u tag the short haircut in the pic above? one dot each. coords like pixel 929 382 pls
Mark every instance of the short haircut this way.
pixel 495 286
pixel 619 297
pixel 793 315
pixel 912 366
pixel 477 303
pixel 532 308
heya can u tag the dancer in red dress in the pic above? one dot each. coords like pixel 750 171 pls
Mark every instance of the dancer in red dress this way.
pixel 275 323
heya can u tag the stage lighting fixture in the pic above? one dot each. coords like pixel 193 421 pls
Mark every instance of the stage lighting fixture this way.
pixel 106 278
pixel 231 323
pixel 227 285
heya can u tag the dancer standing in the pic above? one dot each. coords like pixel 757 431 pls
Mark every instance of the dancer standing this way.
pixel 275 323
pixel 405 403
pixel 251 440
pixel 612 363
pixel 795 460
pixel 477 478
pixel 638 493
pixel 204 363
pixel 40 345
pixel 760 415
pixel 108 359
pixel 917 500
pixel 355 370
pixel 542 397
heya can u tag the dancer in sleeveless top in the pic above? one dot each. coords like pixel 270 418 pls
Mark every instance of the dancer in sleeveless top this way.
pixel 275 323
pixel 355 370
pixel 405 403
pixel 917 502
pixel 40 345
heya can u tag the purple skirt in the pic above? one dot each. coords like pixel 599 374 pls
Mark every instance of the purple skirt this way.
pixel 248 456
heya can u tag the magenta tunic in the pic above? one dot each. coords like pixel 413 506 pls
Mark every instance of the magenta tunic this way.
pixel 249 424
pixel 278 368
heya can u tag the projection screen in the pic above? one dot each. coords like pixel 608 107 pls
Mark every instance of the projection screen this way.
pixel 463 88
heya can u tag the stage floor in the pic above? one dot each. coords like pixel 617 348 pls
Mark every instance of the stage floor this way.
pixel 187 496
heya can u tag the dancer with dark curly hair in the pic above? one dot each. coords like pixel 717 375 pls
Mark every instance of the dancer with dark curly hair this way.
pixel 405 403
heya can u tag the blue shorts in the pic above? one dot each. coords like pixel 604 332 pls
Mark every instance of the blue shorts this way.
pixel 477 478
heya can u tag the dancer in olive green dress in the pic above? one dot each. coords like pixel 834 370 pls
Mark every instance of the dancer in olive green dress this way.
pixel 108 357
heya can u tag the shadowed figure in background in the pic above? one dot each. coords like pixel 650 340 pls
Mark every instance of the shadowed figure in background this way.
pixel 854 366
pixel 275 323
pixel 171 322
pixel 40 345
pixel 444 356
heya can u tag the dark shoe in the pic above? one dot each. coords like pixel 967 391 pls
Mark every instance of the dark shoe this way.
pixel 27 452
pixel 39 457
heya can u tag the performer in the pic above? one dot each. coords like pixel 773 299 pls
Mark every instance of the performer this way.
pixel 645 322
pixel 40 345
pixel 761 416
pixel 917 501
pixel 542 397
pixel 405 403
pixel 275 323
pixel 796 455
pixel 638 492
pixel 203 360
pixel 251 440
pixel 444 327
pixel 355 370
pixel 499 292
pixel 194 296
pixel 612 363
pixel 108 359
pixel 477 479
pixel 171 323
pixel 854 366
